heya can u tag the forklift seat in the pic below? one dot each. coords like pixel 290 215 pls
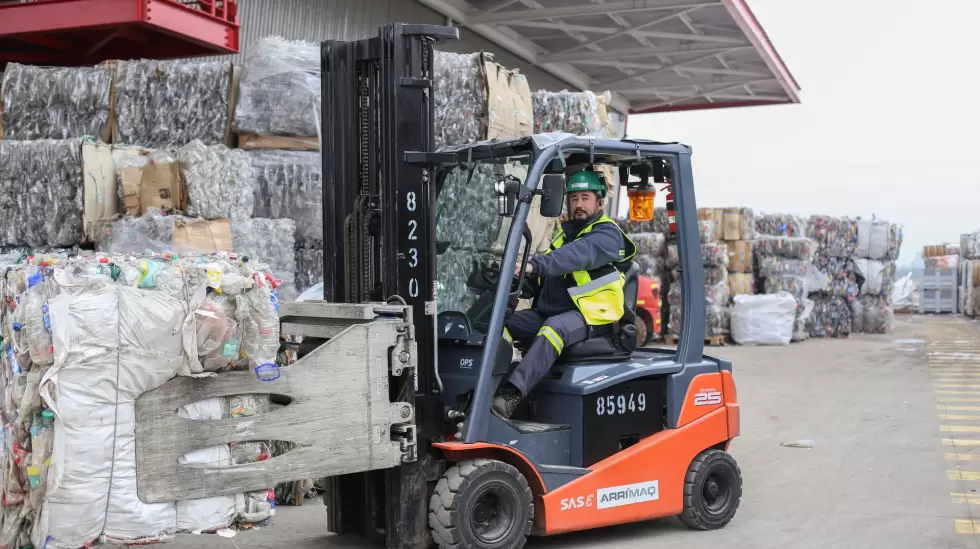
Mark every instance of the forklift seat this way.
pixel 601 343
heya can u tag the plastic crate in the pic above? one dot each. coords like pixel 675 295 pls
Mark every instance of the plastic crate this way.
pixel 936 278
pixel 938 301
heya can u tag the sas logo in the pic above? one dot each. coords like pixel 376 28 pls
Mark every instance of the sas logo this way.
pixel 707 397
pixel 629 494
pixel 577 503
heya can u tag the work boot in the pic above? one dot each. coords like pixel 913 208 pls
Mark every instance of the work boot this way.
pixel 506 400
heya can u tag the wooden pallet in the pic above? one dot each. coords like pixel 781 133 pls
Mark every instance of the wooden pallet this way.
pixel 710 341
pixel 260 142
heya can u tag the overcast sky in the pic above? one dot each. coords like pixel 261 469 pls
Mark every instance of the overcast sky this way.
pixel 889 122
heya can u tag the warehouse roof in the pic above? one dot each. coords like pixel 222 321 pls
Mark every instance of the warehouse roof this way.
pixel 654 55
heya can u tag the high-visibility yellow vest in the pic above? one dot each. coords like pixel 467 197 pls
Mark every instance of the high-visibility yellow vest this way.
pixel 598 293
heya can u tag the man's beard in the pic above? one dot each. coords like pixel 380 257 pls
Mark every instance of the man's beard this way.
pixel 581 215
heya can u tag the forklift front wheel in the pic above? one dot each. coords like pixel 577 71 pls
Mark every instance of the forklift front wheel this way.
pixel 712 490
pixel 481 504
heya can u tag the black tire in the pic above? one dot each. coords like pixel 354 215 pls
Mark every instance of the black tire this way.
pixel 481 504
pixel 642 332
pixel 712 491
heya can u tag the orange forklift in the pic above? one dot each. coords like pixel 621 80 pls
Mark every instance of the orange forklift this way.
pixel 391 398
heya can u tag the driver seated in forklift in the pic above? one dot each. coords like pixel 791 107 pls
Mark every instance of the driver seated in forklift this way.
pixel 578 286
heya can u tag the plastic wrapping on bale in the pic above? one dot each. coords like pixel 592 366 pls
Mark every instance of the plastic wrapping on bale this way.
pixel 309 268
pixel 872 315
pixel 831 317
pixel 791 247
pixel 280 88
pixel 779 224
pixel 55 103
pixel 576 113
pixel 763 319
pixel 220 181
pixel 171 103
pixel 289 184
pixel 715 295
pixel 459 99
pixel 878 240
pixel 879 276
pixel 647 243
pixel 713 254
pixel 41 193
pixel 836 236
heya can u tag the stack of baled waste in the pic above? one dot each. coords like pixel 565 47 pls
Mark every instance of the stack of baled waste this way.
pixel 289 185
pixel 55 102
pixel 83 338
pixel 837 240
pixel 714 257
pixel 785 264
pixel 878 247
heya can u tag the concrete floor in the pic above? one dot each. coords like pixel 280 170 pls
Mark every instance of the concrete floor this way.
pixel 881 472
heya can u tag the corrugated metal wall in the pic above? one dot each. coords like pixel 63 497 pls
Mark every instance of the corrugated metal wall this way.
pixel 352 19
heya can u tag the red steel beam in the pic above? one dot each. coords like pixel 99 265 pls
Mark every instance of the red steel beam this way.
pixel 182 20
pixel 57 15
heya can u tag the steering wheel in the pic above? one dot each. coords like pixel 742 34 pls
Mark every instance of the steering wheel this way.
pixel 490 273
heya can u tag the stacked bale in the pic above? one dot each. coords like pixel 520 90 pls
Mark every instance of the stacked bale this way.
pixel 785 264
pixel 714 258
pixel 878 247
pixel 970 273
pixel 837 240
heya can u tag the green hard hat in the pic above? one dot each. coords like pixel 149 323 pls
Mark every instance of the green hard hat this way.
pixel 586 180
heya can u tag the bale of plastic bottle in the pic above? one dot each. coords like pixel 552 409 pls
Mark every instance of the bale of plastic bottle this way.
pixel 161 104
pixel 790 247
pixel 466 215
pixel 780 224
pixel 459 98
pixel 41 193
pixel 831 317
pixel 220 181
pixel 873 314
pixel 280 88
pixel 836 236
pixel 55 102
pixel 878 276
pixel 576 113
pixel 843 275
pixel 289 184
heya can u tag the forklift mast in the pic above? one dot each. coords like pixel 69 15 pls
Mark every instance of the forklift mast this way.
pixel 379 235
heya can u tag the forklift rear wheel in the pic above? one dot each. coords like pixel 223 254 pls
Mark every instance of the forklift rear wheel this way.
pixel 712 490
pixel 481 504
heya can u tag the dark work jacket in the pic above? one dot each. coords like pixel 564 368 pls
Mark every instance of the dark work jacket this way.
pixel 601 246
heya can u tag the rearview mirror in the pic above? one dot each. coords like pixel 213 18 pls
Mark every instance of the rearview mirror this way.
pixel 553 195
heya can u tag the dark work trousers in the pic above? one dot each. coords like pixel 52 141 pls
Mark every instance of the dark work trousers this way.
pixel 550 336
